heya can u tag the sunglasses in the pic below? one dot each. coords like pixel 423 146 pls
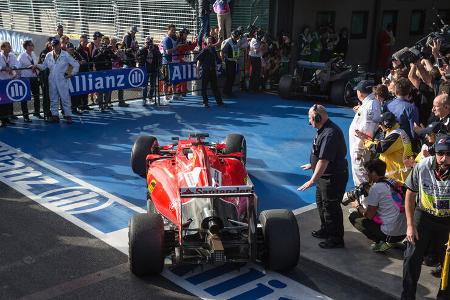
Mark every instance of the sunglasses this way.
pixel 442 153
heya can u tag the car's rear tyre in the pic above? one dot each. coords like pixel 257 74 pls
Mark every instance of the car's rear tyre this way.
pixel 143 146
pixel 281 239
pixel 341 92
pixel 146 244
pixel 236 143
pixel 286 86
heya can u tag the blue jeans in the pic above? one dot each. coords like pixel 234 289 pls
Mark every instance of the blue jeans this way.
pixel 204 29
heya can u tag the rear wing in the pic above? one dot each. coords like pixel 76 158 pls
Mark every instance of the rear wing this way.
pixel 221 191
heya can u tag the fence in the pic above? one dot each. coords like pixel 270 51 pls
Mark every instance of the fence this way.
pixel 192 85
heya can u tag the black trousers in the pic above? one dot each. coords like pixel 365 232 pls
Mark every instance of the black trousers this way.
pixel 6 111
pixel 329 193
pixel 45 93
pixel 429 228
pixel 371 229
pixel 255 76
pixel 210 76
pixel 152 81
pixel 35 91
pixel 230 71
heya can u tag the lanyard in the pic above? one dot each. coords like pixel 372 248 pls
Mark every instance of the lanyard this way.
pixel 6 60
pixel 56 56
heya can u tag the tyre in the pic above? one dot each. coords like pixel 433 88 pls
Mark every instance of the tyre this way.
pixel 146 244
pixel 286 86
pixel 143 146
pixel 281 239
pixel 341 93
pixel 236 143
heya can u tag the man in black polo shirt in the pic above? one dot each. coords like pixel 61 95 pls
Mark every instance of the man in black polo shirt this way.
pixel 330 173
pixel 206 64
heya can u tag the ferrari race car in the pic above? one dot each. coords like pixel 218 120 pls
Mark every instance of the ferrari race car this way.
pixel 202 209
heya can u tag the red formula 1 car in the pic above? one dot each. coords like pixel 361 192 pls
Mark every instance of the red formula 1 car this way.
pixel 202 208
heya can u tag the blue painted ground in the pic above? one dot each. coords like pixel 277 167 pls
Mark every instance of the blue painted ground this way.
pixel 97 147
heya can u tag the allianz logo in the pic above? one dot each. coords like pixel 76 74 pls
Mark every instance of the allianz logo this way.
pixel 16 90
pixel 93 81
pixel 35 181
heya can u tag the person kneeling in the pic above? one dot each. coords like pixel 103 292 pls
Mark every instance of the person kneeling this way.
pixel 384 219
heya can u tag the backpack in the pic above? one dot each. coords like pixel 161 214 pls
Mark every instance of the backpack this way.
pixel 397 194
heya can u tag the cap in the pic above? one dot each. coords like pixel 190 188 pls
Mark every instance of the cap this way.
pixel 236 33
pixel 55 42
pixel 98 34
pixel 434 127
pixel 59 27
pixel 442 143
pixel 134 29
pixel 70 46
pixel 364 86
pixel 148 39
pixel 388 119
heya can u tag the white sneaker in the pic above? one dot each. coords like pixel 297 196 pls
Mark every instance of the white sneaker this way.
pixel 168 98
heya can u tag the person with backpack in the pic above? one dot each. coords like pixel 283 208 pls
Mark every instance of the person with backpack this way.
pixel 383 221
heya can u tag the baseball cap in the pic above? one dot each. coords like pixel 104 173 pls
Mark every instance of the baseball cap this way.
pixel 70 46
pixel 388 119
pixel 98 34
pixel 55 42
pixel 442 143
pixel 434 127
pixel 134 29
pixel 364 86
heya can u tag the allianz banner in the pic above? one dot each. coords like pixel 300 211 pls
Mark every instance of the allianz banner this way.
pixel 105 81
pixel 14 90
pixel 187 71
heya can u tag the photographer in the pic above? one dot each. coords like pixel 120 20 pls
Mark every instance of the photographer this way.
pixel 255 61
pixel 150 58
pixel 393 149
pixel 103 57
pixel 384 220
pixel 423 93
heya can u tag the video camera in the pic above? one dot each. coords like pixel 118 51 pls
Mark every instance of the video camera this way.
pixel 356 193
pixel 422 48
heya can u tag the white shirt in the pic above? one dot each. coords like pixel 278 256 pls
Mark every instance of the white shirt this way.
pixel 255 48
pixel 27 61
pixel 366 120
pixel 59 66
pixel 8 61
pixel 394 222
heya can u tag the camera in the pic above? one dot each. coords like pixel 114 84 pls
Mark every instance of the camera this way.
pixel 407 55
pixel 356 193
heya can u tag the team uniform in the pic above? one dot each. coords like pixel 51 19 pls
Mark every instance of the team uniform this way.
pixel 230 51
pixel 27 61
pixel 10 60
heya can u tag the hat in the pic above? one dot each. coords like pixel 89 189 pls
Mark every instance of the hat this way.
pixel 364 86
pixel 134 29
pixel 442 143
pixel 55 42
pixel 236 33
pixel 70 46
pixel 98 34
pixel 434 127
pixel 388 119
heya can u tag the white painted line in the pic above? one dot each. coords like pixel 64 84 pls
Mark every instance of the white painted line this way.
pixel 304 209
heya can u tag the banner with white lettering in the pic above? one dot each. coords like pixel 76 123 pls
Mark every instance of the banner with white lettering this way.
pixel 187 71
pixel 105 81
pixel 14 90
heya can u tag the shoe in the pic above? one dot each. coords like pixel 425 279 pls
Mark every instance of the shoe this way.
pixel 220 104
pixel 76 112
pixel 14 117
pixel 10 122
pixel 38 115
pixel 319 234
pixel 27 119
pixel 331 244
pixel 88 108
pixel 53 119
pixel 430 261
pixel 205 105
pixel 68 120
pixel 123 104
pixel 3 124
pixel 381 247
pixel 144 103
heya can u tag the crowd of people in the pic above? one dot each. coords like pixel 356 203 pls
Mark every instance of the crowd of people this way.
pixel 399 146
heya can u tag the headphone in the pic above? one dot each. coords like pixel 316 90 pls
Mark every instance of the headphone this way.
pixel 317 117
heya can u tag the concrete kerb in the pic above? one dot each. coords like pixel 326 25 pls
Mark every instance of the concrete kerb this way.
pixel 380 273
